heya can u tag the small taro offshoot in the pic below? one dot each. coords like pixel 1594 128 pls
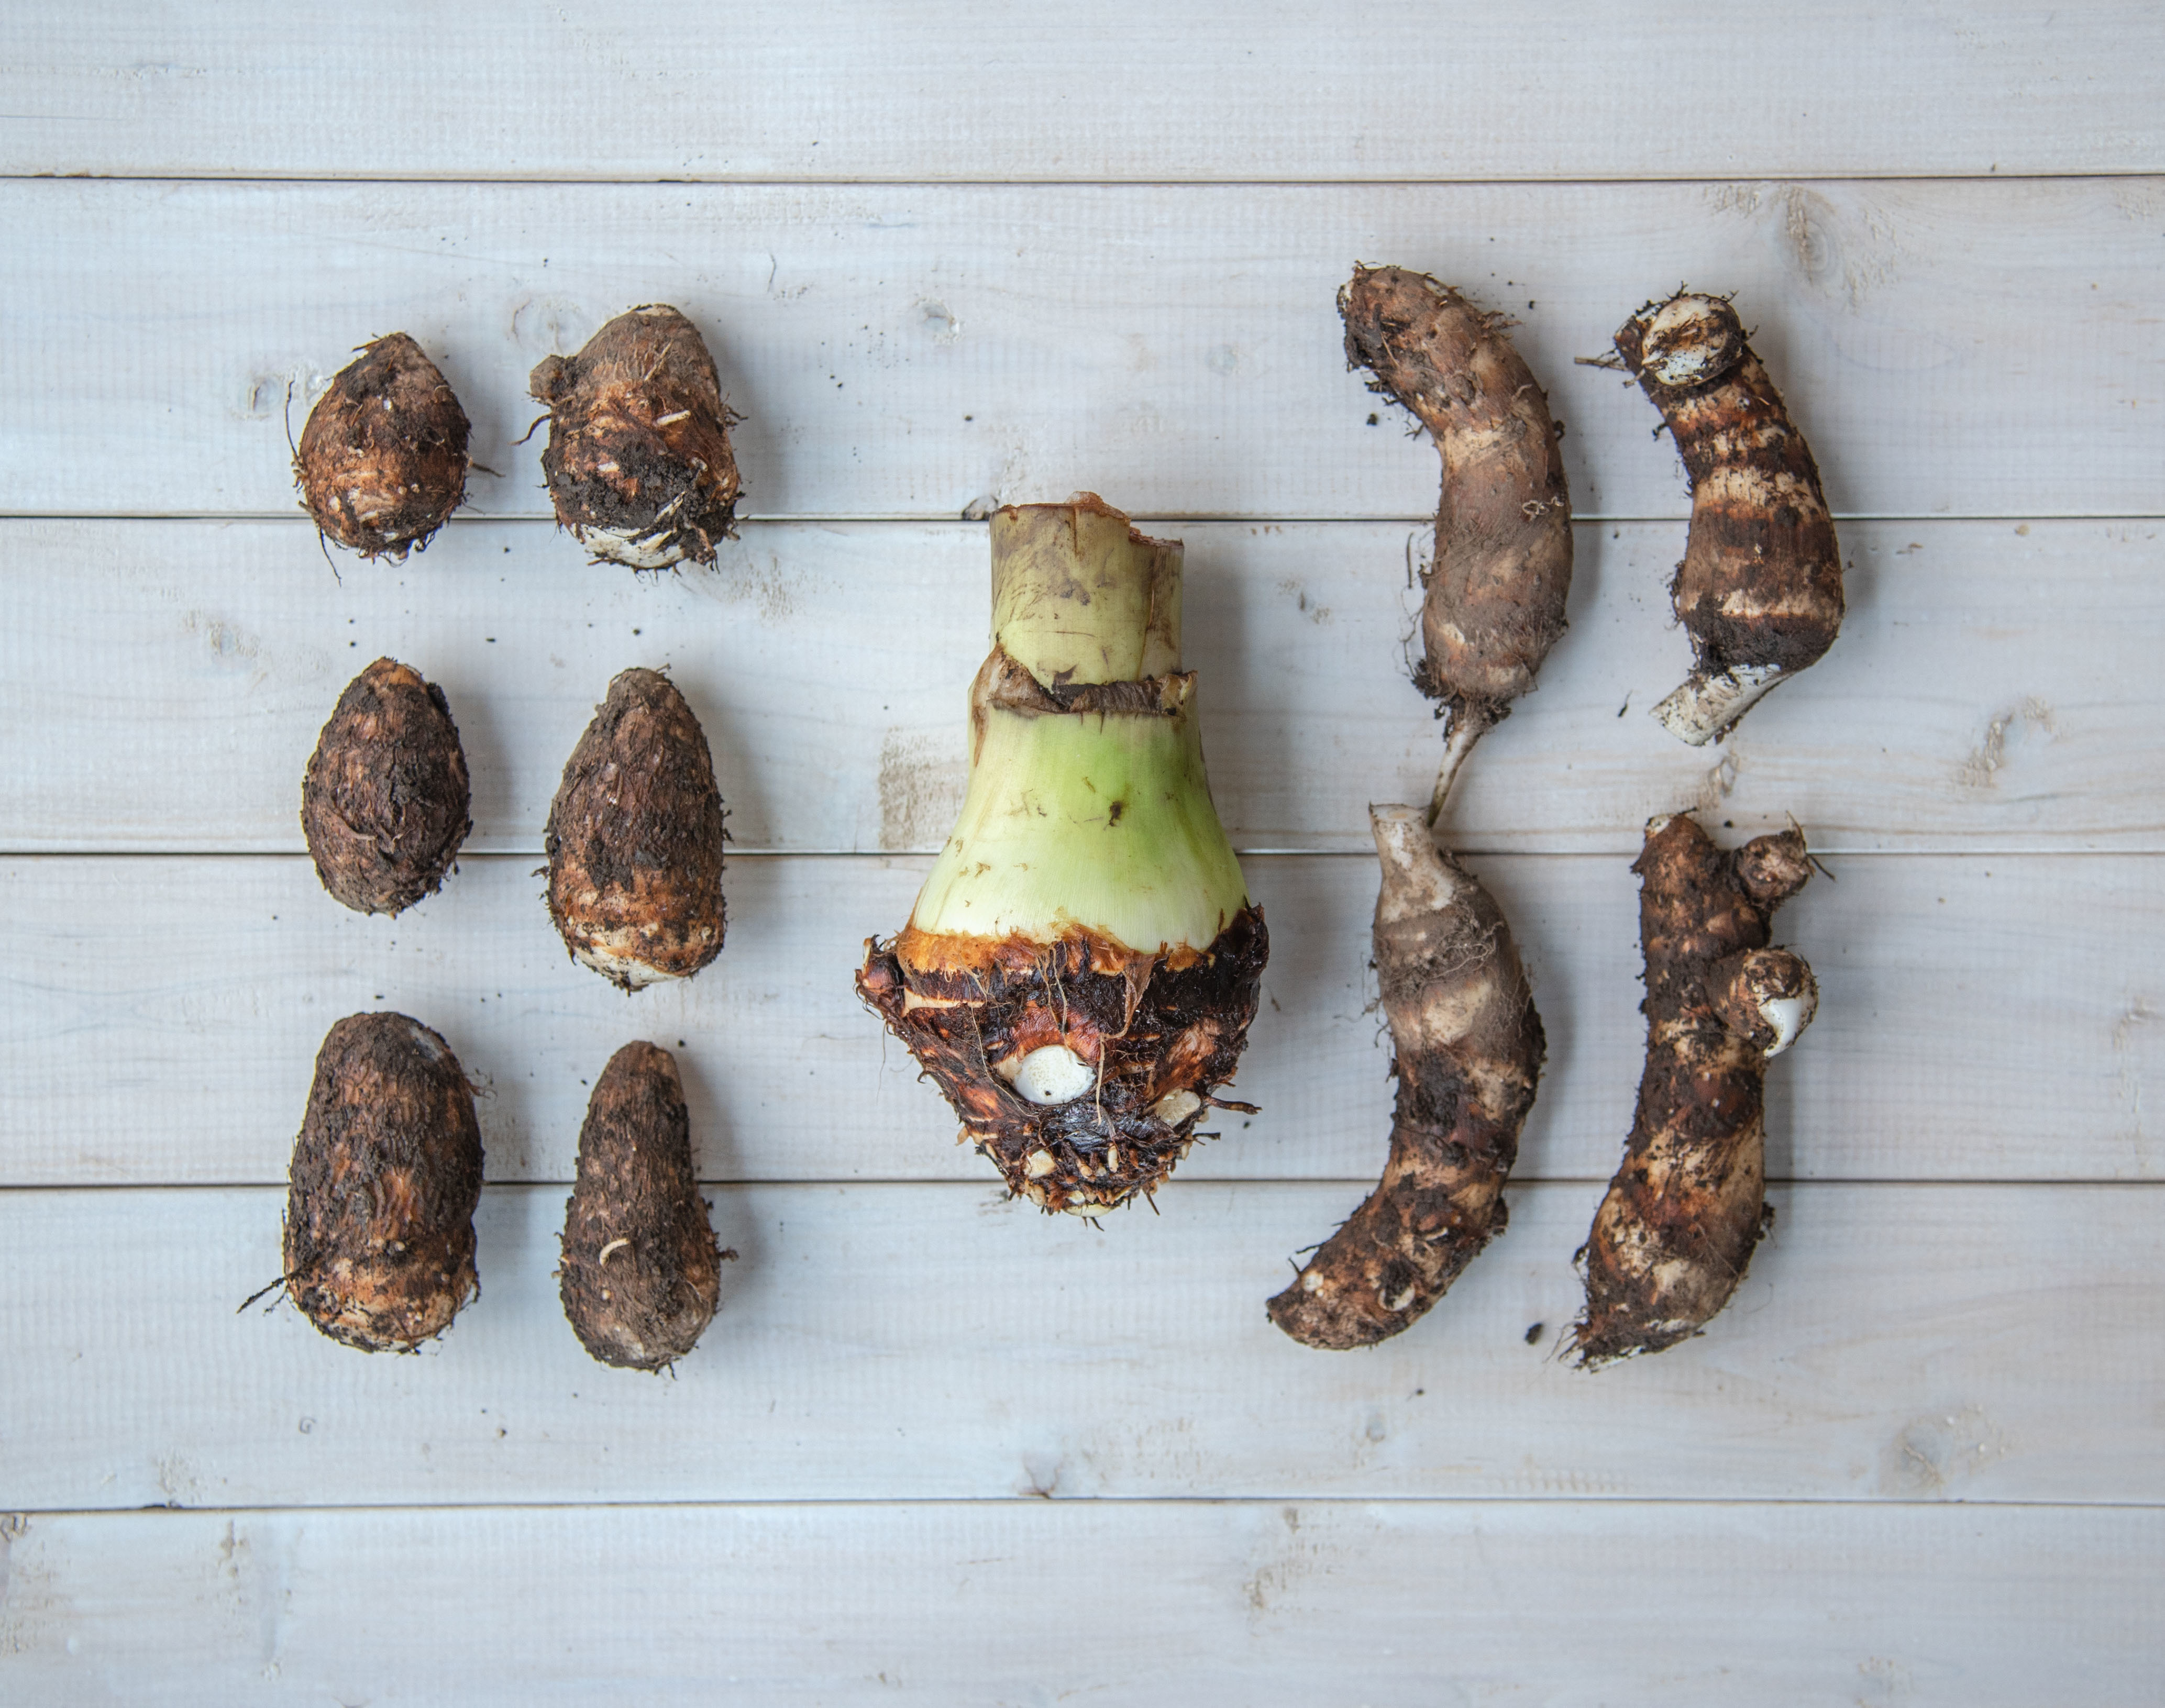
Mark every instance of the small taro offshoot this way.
pixel 1672 1236
pixel 1759 590
pixel 379 1245
pixel 384 800
pixel 638 461
pixel 634 839
pixel 1466 1041
pixel 640 1276
pixel 1082 963
pixel 381 463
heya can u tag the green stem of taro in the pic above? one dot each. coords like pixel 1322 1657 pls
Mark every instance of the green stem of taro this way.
pixel 1093 820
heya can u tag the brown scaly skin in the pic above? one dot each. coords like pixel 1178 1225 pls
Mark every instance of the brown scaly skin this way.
pixel 1467 1048
pixel 634 839
pixel 382 459
pixel 1759 590
pixel 640 1275
pixel 384 800
pixel 1501 570
pixel 386 1173
pixel 1164 1034
pixel 1673 1236
pixel 638 461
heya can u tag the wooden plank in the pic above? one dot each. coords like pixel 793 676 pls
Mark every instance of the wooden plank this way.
pixel 1991 1018
pixel 162 685
pixel 1969 1343
pixel 1950 348
pixel 1114 91
pixel 1246 1604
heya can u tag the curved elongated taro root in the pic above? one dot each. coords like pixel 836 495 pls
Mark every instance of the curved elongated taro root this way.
pixel 638 461
pixel 386 1173
pixel 1759 590
pixel 382 459
pixel 1082 962
pixel 1672 1238
pixel 634 839
pixel 384 800
pixel 1467 1047
pixel 1496 589
pixel 641 1275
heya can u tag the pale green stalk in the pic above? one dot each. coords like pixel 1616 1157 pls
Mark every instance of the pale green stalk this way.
pixel 1100 820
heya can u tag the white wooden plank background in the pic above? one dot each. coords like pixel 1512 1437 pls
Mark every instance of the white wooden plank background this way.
pixel 936 1443
pixel 989 88
pixel 167 1012
pixel 1952 348
pixel 1991 689
pixel 938 1343
pixel 994 1604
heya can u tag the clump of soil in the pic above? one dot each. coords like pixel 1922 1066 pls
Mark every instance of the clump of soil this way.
pixel 384 800
pixel 638 461
pixel 382 458
pixel 641 1275
pixel 386 1173
pixel 634 839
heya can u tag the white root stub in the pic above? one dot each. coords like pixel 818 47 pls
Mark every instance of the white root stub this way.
pixel 1692 340
pixel 1705 705
pixel 1788 1016
pixel 1051 1074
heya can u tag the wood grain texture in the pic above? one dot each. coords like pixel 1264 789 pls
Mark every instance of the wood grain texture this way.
pixel 1988 1018
pixel 1246 1604
pixel 984 90
pixel 1970 1343
pixel 1949 348
pixel 161 686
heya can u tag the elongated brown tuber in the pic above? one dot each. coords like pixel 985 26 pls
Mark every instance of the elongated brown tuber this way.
pixel 1466 1050
pixel 386 1174
pixel 1673 1236
pixel 641 1275
pixel 384 800
pixel 1495 603
pixel 1082 962
pixel 382 459
pixel 634 839
pixel 1759 590
pixel 638 461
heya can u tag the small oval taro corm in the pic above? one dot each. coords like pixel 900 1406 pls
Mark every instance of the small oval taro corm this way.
pixel 383 803
pixel 641 1275
pixel 386 1173
pixel 382 459
pixel 634 839
pixel 638 461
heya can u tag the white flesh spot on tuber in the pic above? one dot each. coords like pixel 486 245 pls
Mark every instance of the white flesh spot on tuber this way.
pixel 1692 339
pixel 1788 1016
pixel 1051 1074
pixel 1176 1106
